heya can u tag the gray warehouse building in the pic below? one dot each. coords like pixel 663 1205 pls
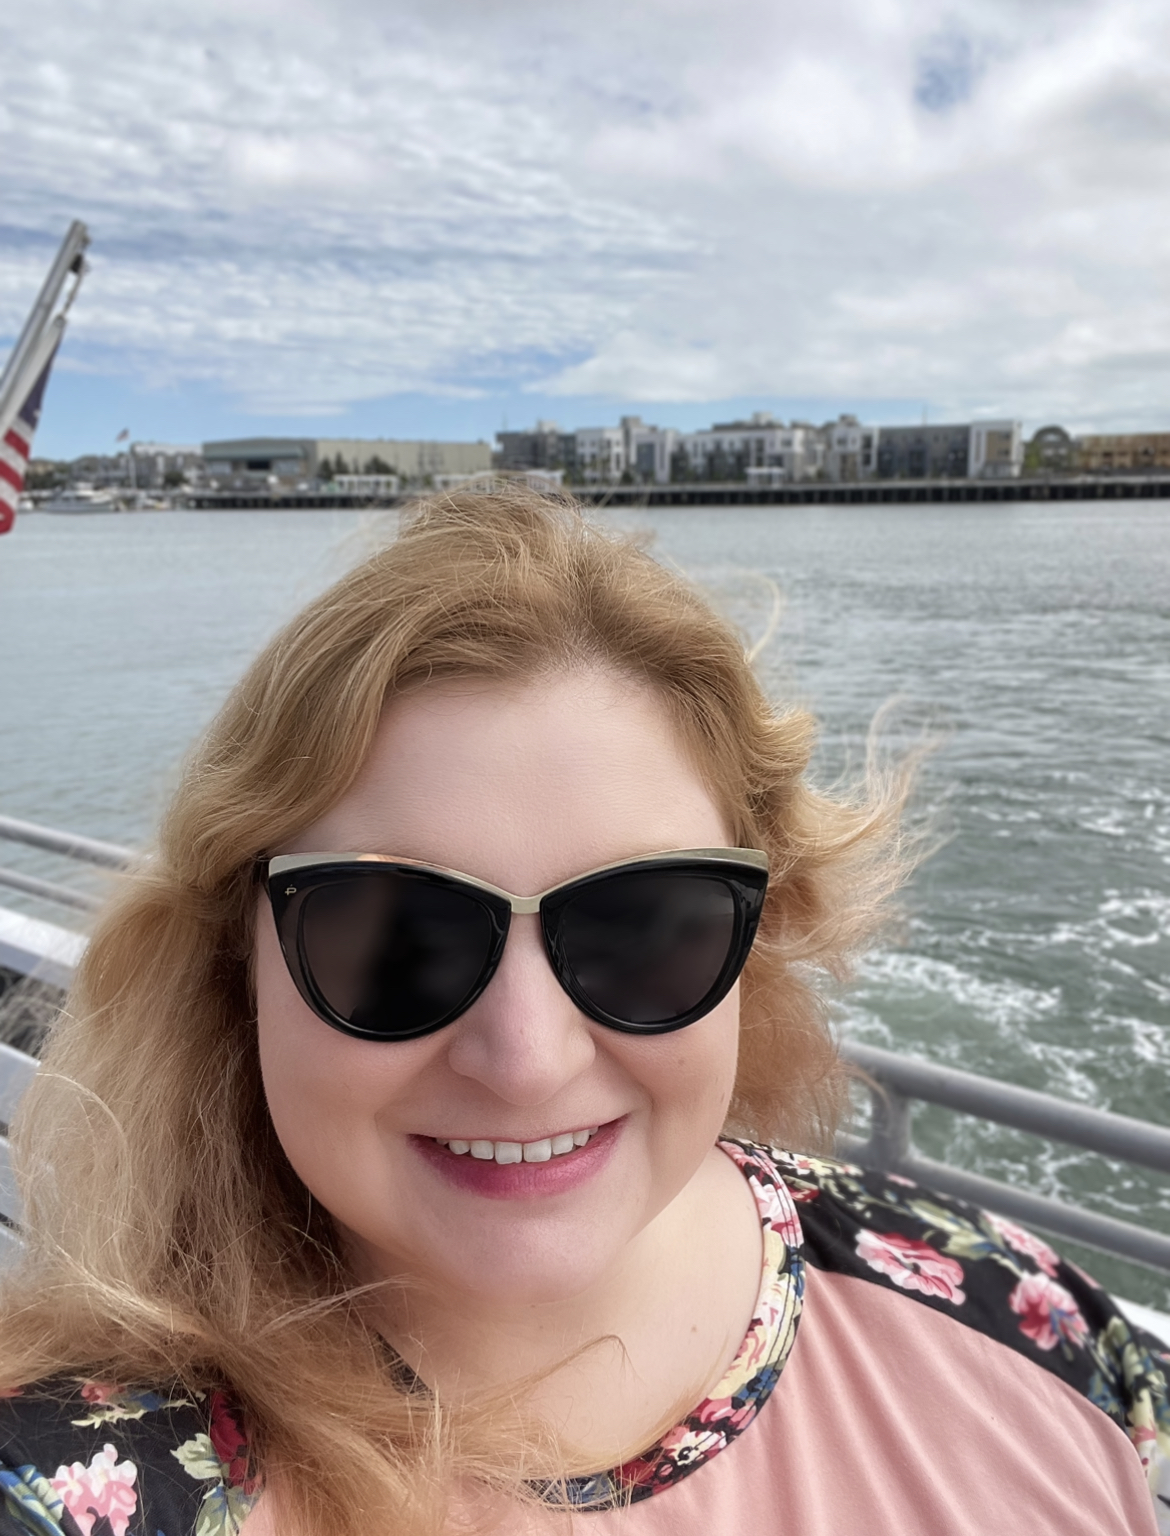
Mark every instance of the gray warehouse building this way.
pixel 256 459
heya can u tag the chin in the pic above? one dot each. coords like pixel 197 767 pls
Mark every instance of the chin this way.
pixel 527 1279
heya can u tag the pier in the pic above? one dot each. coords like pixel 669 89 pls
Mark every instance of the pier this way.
pixel 741 493
pixel 738 493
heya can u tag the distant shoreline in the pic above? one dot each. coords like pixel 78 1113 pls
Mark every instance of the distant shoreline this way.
pixel 737 493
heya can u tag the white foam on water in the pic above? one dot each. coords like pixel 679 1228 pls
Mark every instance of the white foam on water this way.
pixel 859 1023
pixel 998 1028
pixel 1111 823
pixel 1129 921
pixel 1000 1002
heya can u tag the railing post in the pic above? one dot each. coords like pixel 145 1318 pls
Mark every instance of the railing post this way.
pixel 889 1140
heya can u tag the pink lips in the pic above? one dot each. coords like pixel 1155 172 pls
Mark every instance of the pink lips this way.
pixel 521 1181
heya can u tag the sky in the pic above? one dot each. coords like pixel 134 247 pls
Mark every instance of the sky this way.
pixel 381 218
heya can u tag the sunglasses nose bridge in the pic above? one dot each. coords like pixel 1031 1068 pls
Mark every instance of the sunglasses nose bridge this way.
pixel 524 1038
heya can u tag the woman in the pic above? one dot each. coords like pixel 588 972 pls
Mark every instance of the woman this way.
pixel 378 1177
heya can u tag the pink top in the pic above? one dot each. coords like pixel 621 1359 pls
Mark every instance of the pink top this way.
pixel 997 1404
pixel 914 1367
pixel 894 1420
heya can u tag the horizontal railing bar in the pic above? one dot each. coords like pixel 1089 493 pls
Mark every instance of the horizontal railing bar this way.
pixel 11 1247
pixel 50 890
pixel 1095 1130
pixel 11 1206
pixel 46 952
pixel 17 1070
pixel 1122 1239
pixel 72 844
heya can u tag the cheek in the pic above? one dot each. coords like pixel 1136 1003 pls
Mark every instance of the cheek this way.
pixel 325 1090
pixel 690 1075
pixel 715 1059
pixel 294 1045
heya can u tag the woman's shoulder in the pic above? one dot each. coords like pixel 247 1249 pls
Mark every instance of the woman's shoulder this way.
pixel 79 1457
pixel 991 1275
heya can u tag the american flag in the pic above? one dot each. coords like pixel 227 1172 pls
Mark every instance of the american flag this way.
pixel 16 446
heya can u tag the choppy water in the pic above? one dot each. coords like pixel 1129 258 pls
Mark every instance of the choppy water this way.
pixel 1035 641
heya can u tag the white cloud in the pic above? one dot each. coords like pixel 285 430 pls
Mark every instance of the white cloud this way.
pixel 306 206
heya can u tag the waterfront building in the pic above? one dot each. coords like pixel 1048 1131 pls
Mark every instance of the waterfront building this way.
pixel 924 453
pixel 376 487
pixel 850 449
pixel 1050 451
pixel 163 466
pixel 412 459
pixel 153 467
pixel 249 461
pixel 761 450
pixel 252 461
pixel 600 454
pixel 547 480
pixel 544 447
pixel 591 454
pixel 1123 453
pixel 649 451
pixel 764 451
pixel 997 450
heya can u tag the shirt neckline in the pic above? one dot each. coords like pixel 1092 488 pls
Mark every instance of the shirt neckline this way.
pixel 748 1382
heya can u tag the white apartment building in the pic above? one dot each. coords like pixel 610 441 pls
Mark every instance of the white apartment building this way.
pixel 850 449
pixel 649 450
pixel 761 450
pixel 601 453
pixel 997 450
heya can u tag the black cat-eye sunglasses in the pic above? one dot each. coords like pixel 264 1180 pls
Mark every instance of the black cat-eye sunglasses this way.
pixel 390 949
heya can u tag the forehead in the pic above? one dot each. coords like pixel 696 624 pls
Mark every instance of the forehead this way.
pixel 523 784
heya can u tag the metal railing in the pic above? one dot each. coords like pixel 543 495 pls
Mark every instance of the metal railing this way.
pixel 73 846
pixel 894 1082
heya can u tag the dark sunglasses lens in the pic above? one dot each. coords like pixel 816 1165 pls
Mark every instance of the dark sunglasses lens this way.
pixel 648 948
pixel 393 954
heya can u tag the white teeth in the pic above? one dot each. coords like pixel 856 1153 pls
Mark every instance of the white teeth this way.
pixel 519 1151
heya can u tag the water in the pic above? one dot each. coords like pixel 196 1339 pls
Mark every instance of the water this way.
pixel 1034 642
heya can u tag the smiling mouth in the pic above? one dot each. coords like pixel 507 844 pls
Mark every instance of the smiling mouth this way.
pixel 542 1151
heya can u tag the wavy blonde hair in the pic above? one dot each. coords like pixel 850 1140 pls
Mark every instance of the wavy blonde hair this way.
pixel 168 1237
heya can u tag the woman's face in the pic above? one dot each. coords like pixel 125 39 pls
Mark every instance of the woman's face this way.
pixel 524 786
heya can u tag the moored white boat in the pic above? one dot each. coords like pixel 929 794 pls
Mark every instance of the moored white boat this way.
pixel 80 498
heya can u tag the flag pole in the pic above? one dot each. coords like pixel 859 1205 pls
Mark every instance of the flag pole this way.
pixel 22 384
pixel 70 259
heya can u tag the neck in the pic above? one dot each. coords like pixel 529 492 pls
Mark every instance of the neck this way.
pixel 606 1367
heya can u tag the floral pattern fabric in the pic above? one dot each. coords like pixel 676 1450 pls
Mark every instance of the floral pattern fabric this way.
pixel 128 1463
pixel 96 1460
pixel 996 1277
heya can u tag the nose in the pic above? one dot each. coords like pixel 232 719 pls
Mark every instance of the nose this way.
pixel 524 1039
